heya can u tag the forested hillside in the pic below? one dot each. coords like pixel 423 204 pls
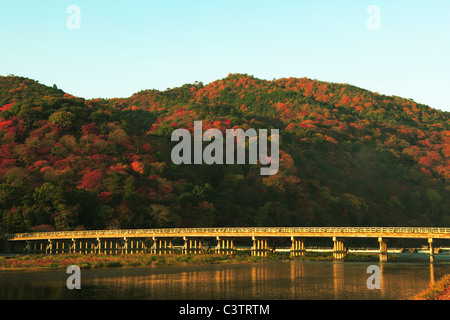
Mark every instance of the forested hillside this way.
pixel 348 157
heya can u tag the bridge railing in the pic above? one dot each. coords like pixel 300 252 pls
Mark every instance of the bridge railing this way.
pixel 234 230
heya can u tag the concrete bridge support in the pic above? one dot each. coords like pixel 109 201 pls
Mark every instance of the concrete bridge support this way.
pixel 430 242
pixel 38 247
pixel 73 246
pixel 98 247
pixel 131 246
pixel 260 247
pixel 162 246
pixel 113 246
pixel 28 247
pixel 49 247
pixel 57 247
pixel 60 247
pixel 136 246
pixel 383 249
pixel 77 247
pixel 125 246
pixel 225 246
pixel 298 247
pixel 339 251
pixel 192 245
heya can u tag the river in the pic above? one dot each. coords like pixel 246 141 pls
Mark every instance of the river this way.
pixel 293 280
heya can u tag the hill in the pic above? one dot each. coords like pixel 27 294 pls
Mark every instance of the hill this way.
pixel 348 157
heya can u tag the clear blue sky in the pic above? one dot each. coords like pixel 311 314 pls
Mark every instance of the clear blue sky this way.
pixel 126 46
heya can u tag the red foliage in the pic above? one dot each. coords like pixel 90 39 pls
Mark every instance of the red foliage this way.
pixel 147 148
pixel 431 159
pixel 92 179
pixel 89 129
pixel 6 107
pixel 104 197
pixel 42 228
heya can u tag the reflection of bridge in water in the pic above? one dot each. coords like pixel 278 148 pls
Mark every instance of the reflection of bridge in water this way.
pixel 163 241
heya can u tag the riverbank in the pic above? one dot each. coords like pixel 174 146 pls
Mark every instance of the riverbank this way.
pixel 45 262
pixel 438 291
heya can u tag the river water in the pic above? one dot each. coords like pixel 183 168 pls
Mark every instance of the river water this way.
pixel 294 280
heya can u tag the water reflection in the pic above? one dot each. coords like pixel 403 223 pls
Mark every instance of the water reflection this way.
pixel 296 277
pixel 276 280
pixel 338 277
pixel 431 273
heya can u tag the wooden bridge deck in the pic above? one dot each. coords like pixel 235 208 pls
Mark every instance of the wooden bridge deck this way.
pixel 240 232
pixel 161 240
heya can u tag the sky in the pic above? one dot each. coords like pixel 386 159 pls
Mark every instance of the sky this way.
pixel 108 49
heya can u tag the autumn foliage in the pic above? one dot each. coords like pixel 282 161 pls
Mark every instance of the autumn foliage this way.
pixel 348 157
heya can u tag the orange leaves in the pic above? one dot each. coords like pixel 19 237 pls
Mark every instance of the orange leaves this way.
pixel 444 170
pixel 119 168
pixel 307 124
pixel 331 139
pixel 432 158
pixel 290 127
pixel 359 108
pixel 138 167
pixel 287 163
pixel 446 144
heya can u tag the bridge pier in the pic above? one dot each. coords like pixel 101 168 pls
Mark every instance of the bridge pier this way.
pixel 192 245
pixel 339 251
pixel 40 249
pixel 28 247
pixel 115 247
pixel 133 241
pixel 107 246
pixel 49 247
pixel 260 247
pixel 98 247
pixel 298 247
pixel 59 247
pixel 133 244
pixel 130 246
pixel 73 247
pixel 162 246
pixel 225 246
pixel 125 246
pixel 136 246
pixel 63 247
pixel 430 242
pixel 383 249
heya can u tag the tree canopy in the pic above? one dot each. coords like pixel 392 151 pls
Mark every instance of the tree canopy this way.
pixel 348 157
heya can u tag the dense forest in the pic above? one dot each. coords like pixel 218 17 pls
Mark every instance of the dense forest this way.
pixel 348 157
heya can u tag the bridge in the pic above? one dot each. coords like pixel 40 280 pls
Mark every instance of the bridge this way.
pixel 193 240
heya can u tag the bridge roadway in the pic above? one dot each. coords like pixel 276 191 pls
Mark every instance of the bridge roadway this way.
pixel 161 240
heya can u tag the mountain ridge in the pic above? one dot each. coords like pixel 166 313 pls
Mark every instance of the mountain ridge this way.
pixel 348 157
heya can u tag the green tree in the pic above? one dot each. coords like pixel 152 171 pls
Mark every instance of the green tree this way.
pixel 62 118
